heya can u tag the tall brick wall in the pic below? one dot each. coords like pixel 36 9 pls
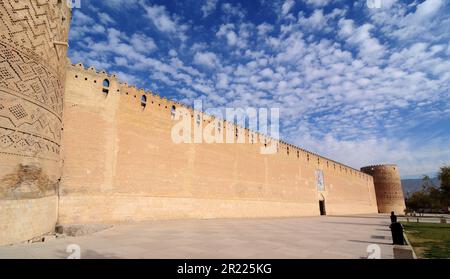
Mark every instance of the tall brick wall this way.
pixel 32 77
pixel 388 188
pixel 120 164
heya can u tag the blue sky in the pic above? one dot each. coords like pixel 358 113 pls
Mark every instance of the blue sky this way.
pixel 357 84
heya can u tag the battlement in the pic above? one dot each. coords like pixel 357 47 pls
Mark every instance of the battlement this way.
pixel 380 166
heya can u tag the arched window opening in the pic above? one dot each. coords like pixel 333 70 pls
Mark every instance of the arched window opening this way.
pixel 143 101
pixel 287 150
pixel 298 154
pixel 219 127
pixel 198 120
pixel 106 86
pixel 307 157
pixel 173 111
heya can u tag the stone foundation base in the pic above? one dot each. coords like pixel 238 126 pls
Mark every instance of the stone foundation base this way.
pixel 22 220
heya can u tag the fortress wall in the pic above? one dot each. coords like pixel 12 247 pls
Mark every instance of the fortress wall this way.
pixel 32 76
pixel 388 188
pixel 120 164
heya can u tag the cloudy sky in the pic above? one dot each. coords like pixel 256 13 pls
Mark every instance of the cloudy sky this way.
pixel 359 82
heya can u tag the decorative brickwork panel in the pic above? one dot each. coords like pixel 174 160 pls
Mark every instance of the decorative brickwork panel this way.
pixel 33 37
pixel 32 76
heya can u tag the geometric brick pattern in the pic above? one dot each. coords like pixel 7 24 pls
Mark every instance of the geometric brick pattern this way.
pixel 32 76
pixel 35 25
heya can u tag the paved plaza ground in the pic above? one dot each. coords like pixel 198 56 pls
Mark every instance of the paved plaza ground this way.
pixel 326 237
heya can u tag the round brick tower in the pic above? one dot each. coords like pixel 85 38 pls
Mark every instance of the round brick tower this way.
pixel 388 188
pixel 33 48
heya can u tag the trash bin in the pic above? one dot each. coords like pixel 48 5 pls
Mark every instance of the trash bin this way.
pixel 397 233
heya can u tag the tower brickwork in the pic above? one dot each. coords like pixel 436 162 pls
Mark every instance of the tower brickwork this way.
pixel 388 188
pixel 33 47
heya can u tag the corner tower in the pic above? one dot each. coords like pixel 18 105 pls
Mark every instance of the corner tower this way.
pixel 388 188
pixel 33 48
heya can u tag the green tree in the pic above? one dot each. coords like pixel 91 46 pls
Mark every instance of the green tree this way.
pixel 430 197
pixel 433 194
pixel 426 182
pixel 444 177
pixel 419 200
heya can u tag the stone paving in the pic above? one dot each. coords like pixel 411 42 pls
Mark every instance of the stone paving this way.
pixel 325 237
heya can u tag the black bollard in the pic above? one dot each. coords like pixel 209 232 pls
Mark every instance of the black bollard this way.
pixel 397 233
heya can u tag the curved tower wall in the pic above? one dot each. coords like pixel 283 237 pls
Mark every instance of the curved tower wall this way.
pixel 388 188
pixel 33 46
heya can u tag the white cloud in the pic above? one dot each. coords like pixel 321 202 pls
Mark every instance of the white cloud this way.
pixel 173 53
pixel 227 31
pixel 318 3
pixel 164 22
pixel 105 19
pixel 222 81
pixel 207 59
pixel 369 47
pixel 161 19
pixel 143 43
pixel 426 10
pixel 231 10
pixel 287 6
pixel 316 21
pixel 79 18
pixel 83 24
pixel 413 22
pixel 209 7
pixel 121 4
pixel 130 79
pixel 230 33
pixel 267 72
pixel 264 28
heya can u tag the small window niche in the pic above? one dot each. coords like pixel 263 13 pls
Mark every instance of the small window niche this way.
pixel 143 101
pixel 173 111
pixel 105 86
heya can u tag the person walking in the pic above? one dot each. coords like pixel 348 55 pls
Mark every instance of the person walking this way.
pixel 393 217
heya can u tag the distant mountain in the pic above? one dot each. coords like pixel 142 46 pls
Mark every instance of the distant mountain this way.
pixel 414 185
